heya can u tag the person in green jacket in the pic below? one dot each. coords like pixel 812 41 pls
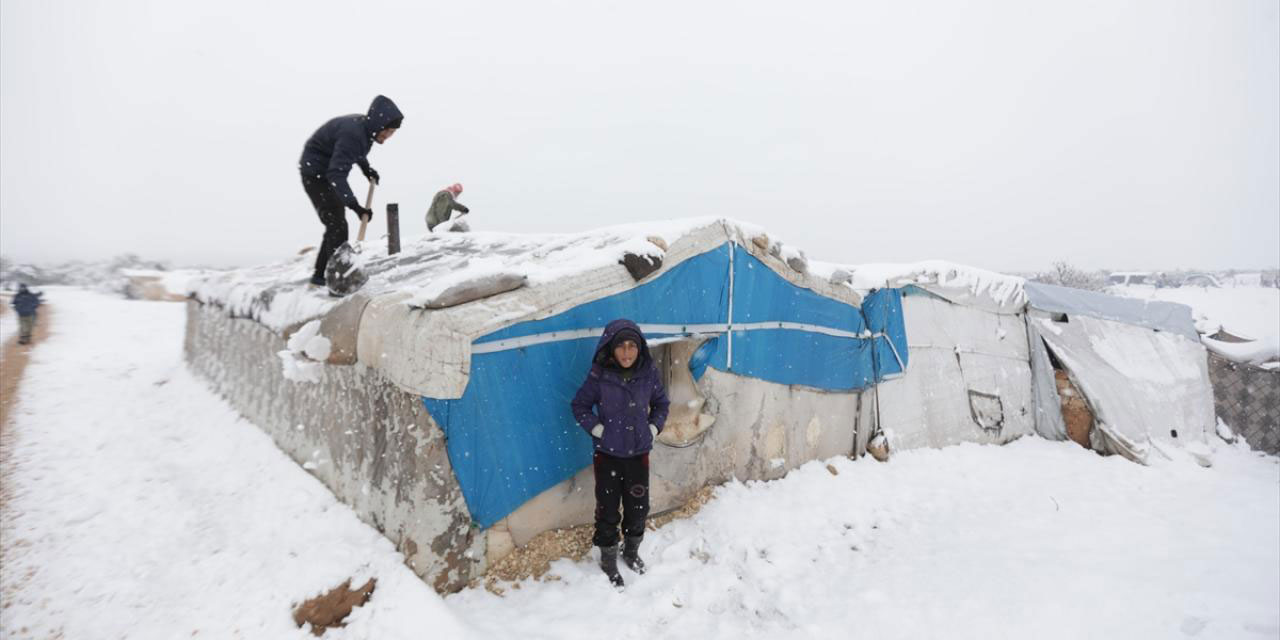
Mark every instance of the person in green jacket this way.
pixel 444 204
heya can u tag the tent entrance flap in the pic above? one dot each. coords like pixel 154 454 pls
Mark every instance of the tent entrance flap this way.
pixel 1140 385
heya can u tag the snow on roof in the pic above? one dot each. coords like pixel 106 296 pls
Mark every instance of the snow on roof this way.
pixel 958 283
pixel 278 294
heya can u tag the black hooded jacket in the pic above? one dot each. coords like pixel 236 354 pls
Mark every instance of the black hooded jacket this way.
pixel 344 141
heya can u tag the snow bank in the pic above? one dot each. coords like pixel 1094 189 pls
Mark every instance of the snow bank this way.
pixel 1256 353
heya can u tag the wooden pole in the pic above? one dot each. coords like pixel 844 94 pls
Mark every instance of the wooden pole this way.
pixel 393 228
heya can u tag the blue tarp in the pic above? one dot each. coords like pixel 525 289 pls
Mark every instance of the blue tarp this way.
pixel 511 435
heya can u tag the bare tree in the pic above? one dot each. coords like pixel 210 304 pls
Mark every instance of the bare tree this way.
pixel 1067 275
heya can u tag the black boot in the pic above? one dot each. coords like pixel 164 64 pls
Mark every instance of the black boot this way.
pixel 631 553
pixel 609 564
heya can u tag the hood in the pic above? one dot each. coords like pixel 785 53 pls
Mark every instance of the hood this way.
pixel 381 112
pixel 605 359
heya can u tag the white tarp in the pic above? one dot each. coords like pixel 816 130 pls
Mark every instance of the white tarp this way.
pixel 1149 390
pixel 969 378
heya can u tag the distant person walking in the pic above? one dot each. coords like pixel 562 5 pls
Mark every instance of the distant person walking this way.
pixel 444 204
pixel 326 160
pixel 25 303
pixel 624 388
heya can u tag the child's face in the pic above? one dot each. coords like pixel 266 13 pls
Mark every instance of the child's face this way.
pixel 626 353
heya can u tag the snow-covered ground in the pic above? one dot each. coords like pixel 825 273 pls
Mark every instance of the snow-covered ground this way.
pixel 144 507
pixel 8 322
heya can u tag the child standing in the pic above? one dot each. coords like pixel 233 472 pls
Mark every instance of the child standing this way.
pixel 624 388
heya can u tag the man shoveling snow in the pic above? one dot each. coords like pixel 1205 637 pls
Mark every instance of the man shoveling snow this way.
pixel 326 160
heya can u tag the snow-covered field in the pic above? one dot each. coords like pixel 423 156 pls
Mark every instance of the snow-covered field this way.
pixel 143 507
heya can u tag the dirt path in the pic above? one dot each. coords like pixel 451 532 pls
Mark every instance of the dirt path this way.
pixel 13 362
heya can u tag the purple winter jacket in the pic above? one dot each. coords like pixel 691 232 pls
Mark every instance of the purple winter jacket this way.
pixel 626 408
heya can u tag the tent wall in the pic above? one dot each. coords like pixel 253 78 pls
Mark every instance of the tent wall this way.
pixel 367 440
pixel 969 378
pixel 511 435
pixel 762 430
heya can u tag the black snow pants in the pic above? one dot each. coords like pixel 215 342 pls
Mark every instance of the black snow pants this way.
pixel 332 214
pixel 624 480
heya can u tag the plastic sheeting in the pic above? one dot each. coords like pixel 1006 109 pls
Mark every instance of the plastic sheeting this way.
pixel 1153 314
pixel 511 434
pixel 1044 389
pixel 969 380
pixel 1149 390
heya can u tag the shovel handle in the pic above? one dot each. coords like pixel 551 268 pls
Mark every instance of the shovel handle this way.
pixel 364 222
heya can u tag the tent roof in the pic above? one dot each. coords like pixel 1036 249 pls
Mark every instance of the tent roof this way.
pixel 1153 314
pixel 278 296
pixel 957 283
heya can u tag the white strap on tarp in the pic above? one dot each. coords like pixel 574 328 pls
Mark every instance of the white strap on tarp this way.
pixel 682 330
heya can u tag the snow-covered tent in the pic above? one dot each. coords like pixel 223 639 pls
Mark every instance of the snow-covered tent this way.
pixel 1139 364
pixel 995 358
pixel 505 411
pixel 491 334
pixel 435 401
pixel 970 377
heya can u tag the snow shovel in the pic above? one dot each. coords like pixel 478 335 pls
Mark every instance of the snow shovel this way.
pixel 343 274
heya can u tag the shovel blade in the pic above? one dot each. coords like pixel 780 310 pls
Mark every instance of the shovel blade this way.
pixel 342 275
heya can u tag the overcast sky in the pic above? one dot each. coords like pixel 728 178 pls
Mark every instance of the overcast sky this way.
pixel 1005 135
